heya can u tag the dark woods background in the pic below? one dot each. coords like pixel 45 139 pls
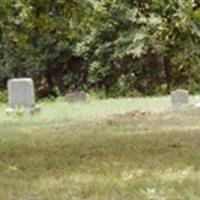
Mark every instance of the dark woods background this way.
pixel 121 47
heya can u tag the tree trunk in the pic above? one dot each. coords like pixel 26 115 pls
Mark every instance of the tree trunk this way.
pixel 167 69
pixel 16 71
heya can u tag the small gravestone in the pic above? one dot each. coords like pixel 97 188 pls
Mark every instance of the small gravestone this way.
pixel 196 103
pixel 180 98
pixel 76 97
pixel 21 95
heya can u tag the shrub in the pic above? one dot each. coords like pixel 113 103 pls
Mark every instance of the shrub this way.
pixel 3 97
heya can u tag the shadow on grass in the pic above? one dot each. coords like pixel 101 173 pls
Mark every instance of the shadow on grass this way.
pixel 103 146
pixel 135 158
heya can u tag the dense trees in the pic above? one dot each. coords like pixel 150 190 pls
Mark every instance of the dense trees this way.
pixel 124 47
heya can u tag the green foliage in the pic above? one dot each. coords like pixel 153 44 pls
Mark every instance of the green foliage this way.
pixel 121 47
pixel 3 97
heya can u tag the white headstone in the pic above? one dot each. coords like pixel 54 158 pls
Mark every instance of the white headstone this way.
pixel 179 98
pixel 197 105
pixel 21 94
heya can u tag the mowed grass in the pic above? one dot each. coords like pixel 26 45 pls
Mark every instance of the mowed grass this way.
pixel 95 151
pixel 93 110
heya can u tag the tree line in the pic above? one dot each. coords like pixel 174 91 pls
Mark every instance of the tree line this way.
pixel 121 47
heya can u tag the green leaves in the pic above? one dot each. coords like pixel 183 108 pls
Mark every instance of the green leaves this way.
pixel 131 43
pixel 85 44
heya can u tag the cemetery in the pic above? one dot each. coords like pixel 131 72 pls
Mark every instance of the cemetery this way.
pixel 100 100
pixel 127 148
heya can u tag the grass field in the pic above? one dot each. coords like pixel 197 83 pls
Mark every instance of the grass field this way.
pixel 101 150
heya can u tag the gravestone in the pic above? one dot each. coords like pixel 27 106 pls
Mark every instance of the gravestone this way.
pixel 76 97
pixel 179 98
pixel 21 95
pixel 196 103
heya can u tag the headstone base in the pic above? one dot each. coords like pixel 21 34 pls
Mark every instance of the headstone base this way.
pixel 181 107
pixel 21 111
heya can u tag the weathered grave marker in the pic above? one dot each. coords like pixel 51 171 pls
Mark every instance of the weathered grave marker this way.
pixel 75 97
pixel 180 98
pixel 21 95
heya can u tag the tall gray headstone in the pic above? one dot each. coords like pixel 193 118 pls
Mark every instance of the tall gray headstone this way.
pixel 21 94
pixel 180 98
